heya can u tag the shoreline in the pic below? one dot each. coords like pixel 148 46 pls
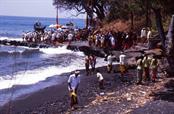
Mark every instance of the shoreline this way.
pixel 58 90
pixel 119 97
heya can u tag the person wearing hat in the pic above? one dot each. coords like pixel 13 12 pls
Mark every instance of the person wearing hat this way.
pixel 73 83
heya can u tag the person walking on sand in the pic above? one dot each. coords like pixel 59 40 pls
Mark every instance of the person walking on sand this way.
pixel 146 65
pixel 87 63
pixel 139 70
pixel 73 84
pixel 93 62
pixel 154 68
pixel 122 65
pixel 100 80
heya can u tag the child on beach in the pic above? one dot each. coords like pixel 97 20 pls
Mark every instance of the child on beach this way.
pixel 100 80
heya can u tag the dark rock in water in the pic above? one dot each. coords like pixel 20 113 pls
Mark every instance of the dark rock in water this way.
pixel 23 43
pixel 87 50
pixel 43 46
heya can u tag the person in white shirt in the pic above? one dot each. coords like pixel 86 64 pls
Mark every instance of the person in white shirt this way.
pixel 112 40
pixel 149 36
pixel 110 60
pixel 100 80
pixel 122 58
pixel 70 37
pixel 122 64
pixel 143 35
pixel 73 83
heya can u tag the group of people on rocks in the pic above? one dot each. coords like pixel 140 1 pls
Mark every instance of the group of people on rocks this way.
pixel 112 40
pixel 53 36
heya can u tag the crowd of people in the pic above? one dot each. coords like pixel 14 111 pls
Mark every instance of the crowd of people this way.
pixel 112 40
pixel 54 36
pixel 101 39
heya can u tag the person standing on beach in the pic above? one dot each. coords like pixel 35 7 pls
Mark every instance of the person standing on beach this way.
pixel 100 80
pixel 122 65
pixel 143 35
pixel 93 62
pixel 87 63
pixel 110 60
pixel 139 70
pixel 154 68
pixel 149 36
pixel 146 65
pixel 73 84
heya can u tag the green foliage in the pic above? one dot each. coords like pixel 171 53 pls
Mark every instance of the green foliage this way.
pixel 116 9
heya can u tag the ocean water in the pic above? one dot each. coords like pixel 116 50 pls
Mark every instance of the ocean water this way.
pixel 12 26
pixel 24 70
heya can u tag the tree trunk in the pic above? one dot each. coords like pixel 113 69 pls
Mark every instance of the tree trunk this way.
pixel 160 25
pixel 170 47
pixel 132 20
pixel 87 21
pixel 147 13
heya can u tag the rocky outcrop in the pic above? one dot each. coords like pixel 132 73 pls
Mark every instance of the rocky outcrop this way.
pixel 23 43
